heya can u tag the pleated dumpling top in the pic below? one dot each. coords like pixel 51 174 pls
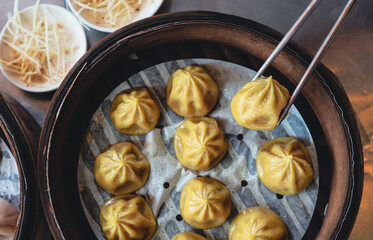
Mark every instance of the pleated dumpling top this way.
pixel 257 223
pixel 191 92
pixel 200 143
pixel 284 166
pixel 205 203
pixel 258 104
pixel 134 111
pixel 127 217
pixel 122 168
pixel 188 236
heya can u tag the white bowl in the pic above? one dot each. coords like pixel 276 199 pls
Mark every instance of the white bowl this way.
pixel 68 20
pixel 148 8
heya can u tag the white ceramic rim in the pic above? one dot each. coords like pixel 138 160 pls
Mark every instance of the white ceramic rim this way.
pixel 82 47
pixel 153 4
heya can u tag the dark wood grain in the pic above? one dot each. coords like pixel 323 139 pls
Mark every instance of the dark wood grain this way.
pixel 323 104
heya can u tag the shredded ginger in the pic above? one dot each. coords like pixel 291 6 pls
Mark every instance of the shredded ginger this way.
pixel 40 49
pixel 113 13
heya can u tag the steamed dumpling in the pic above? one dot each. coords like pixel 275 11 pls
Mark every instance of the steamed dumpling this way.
pixel 127 217
pixel 122 168
pixel 257 223
pixel 191 92
pixel 200 143
pixel 205 203
pixel 134 111
pixel 8 219
pixel 258 104
pixel 284 166
pixel 188 236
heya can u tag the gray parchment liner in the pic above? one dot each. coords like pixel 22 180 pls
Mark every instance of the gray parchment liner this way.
pixel 238 164
pixel 9 176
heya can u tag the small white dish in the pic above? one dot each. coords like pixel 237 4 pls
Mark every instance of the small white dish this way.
pixel 147 9
pixel 75 32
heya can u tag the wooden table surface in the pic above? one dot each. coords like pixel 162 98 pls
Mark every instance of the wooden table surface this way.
pixel 350 57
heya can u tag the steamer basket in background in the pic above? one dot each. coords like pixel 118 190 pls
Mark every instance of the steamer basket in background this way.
pixel 20 133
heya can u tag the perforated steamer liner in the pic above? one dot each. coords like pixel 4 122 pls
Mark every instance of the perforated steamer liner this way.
pixel 237 167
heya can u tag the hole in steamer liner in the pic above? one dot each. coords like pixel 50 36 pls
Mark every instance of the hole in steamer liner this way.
pixel 166 185
pixel 279 196
pixel 240 137
pixel 243 183
pixel 179 217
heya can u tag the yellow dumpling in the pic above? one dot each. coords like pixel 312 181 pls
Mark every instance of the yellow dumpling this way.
pixel 127 217
pixel 284 166
pixel 122 168
pixel 258 223
pixel 134 111
pixel 200 143
pixel 258 104
pixel 188 236
pixel 205 203
pixel 191 92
